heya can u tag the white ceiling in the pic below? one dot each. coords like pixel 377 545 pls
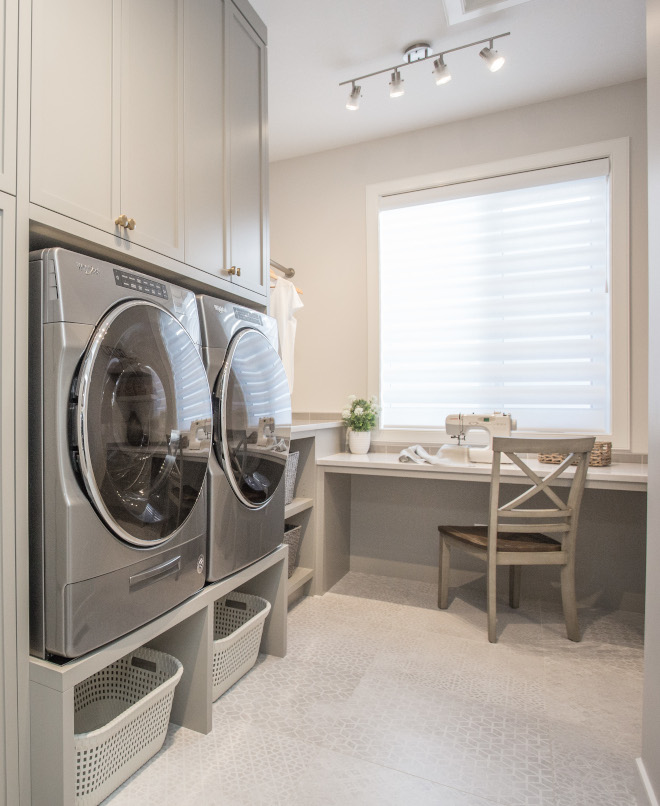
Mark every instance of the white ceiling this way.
pixel 556 48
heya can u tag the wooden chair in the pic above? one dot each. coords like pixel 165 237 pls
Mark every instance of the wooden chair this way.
pixel 517 536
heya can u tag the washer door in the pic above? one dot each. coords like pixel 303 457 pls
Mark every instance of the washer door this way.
pixel 142 421
pixel 253 418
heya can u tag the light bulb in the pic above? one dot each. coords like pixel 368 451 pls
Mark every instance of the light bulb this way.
pixel 441 72
pixel 493 59
pixel 353 102
pixel 396 85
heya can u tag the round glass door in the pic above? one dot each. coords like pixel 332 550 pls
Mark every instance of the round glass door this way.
pixel 142 421
pixel 253 421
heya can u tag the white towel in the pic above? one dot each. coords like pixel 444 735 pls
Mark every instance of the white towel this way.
pixel 284 302
pixel 417 454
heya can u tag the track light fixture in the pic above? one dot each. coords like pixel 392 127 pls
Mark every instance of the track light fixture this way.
pixel 354 98
pixel 441 71
pixel 420 52
pixel 492 57
pixel 396 85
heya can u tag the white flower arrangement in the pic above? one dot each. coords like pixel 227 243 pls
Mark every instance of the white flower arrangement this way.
pixel 361 415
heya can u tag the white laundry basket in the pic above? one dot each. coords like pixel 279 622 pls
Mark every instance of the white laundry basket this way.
pixel 238 624
pixel 121 715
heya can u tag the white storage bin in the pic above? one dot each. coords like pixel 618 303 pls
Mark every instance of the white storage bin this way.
pixel 121 715
pixel 238 624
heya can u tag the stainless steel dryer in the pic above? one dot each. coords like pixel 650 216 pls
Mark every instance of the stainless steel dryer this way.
pixel 120 425
pixel 251 435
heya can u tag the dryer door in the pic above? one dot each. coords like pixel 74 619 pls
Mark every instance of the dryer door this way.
pixel 253 418
pixel 142 422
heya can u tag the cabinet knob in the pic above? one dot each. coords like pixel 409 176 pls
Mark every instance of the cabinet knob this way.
pixel 125 222
pixel 232 270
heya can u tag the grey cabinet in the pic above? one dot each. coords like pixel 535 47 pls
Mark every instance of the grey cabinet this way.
pixel 155 118
pixel 9 660
pixel 107 124
pixel 8 98
pixel 226 151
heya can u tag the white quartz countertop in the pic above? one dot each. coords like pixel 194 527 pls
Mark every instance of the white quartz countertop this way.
pixel 618 476
pixel 303 428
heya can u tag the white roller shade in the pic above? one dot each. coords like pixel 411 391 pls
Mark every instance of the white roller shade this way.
pixel 494 297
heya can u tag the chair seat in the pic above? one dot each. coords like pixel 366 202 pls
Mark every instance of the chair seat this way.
pixel 506 541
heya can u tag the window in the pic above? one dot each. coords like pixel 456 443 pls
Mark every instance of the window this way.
pixel 495 294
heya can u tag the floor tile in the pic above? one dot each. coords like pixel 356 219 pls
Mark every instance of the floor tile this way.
pixel 384 699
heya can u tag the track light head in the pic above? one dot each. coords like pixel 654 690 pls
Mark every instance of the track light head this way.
pixel 396 85
pixel 441 72
pixel 492 57
pixel 353 102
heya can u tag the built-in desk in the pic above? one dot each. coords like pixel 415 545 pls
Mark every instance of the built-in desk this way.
pixel 620 476
pixel 380 515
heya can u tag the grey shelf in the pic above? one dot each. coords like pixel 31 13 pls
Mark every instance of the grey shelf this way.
pixel 185 632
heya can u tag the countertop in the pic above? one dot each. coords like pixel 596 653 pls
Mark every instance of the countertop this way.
pixel 618 476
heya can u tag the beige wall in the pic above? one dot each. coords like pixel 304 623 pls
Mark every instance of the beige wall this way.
pixel 317 214
pixel 651 711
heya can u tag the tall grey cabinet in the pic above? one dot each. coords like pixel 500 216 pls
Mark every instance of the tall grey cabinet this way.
pixel 134 130
pixel 151 129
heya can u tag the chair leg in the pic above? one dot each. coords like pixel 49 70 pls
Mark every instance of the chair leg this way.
pixel 569 603
pixel 443 575
pixel 492 603
pixel 514 585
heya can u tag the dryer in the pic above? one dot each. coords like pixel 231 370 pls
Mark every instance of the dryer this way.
pixel 120 428
pixel 251 434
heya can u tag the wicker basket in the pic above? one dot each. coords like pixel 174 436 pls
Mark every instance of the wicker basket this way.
pixel 238 624
pixel 292 535
pixel 290 476
pixel 121 715
pixel 601 456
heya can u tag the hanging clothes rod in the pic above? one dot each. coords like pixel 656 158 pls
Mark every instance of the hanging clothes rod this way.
pixel 283 269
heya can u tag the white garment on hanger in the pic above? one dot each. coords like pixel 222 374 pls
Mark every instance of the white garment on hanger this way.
pixel 284 302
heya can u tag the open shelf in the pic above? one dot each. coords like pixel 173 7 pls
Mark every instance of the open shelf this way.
pixel 299 577
pixel 297 505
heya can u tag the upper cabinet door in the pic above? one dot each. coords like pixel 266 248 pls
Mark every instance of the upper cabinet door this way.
pixel 8 100
pixel 245 74
pixel 72 109
pixel 204 120
pixel 151 123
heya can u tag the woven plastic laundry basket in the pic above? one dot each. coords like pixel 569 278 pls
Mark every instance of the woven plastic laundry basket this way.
pixel 292 536
pixel 290 472
pixel 121 716
pixel 238 624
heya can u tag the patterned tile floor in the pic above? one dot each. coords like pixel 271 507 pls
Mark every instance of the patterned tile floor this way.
pixel 383 699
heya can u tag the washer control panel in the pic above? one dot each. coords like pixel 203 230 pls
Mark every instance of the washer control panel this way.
pixel 139 283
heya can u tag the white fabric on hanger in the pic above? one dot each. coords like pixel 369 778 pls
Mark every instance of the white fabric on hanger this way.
pixel 284 302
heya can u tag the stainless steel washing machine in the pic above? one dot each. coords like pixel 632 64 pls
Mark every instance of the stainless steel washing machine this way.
pixel 120 427
pixel 251 434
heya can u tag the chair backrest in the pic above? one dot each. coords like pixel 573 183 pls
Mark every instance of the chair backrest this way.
pixel 552 514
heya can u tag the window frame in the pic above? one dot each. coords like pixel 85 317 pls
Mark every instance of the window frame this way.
pixel 618 153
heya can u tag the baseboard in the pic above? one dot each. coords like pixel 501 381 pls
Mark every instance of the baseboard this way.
pixel 647 788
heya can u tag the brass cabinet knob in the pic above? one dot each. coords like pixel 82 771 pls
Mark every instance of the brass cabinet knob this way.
pixel 238 271
pixel 232 270
pixel 125 222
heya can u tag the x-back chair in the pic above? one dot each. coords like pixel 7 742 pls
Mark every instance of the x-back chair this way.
pixel 518 534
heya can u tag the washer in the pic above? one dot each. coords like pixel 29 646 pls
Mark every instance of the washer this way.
pixel 120 427
pixel 251 434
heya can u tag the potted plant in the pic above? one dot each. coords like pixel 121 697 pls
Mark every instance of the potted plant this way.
pixel 360 418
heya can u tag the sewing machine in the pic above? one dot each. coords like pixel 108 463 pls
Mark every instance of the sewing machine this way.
pixel 458 426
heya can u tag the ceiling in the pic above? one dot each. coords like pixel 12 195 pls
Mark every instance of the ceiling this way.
pixel 556 48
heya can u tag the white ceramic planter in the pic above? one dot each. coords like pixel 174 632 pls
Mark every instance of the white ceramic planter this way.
pixel 359 441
